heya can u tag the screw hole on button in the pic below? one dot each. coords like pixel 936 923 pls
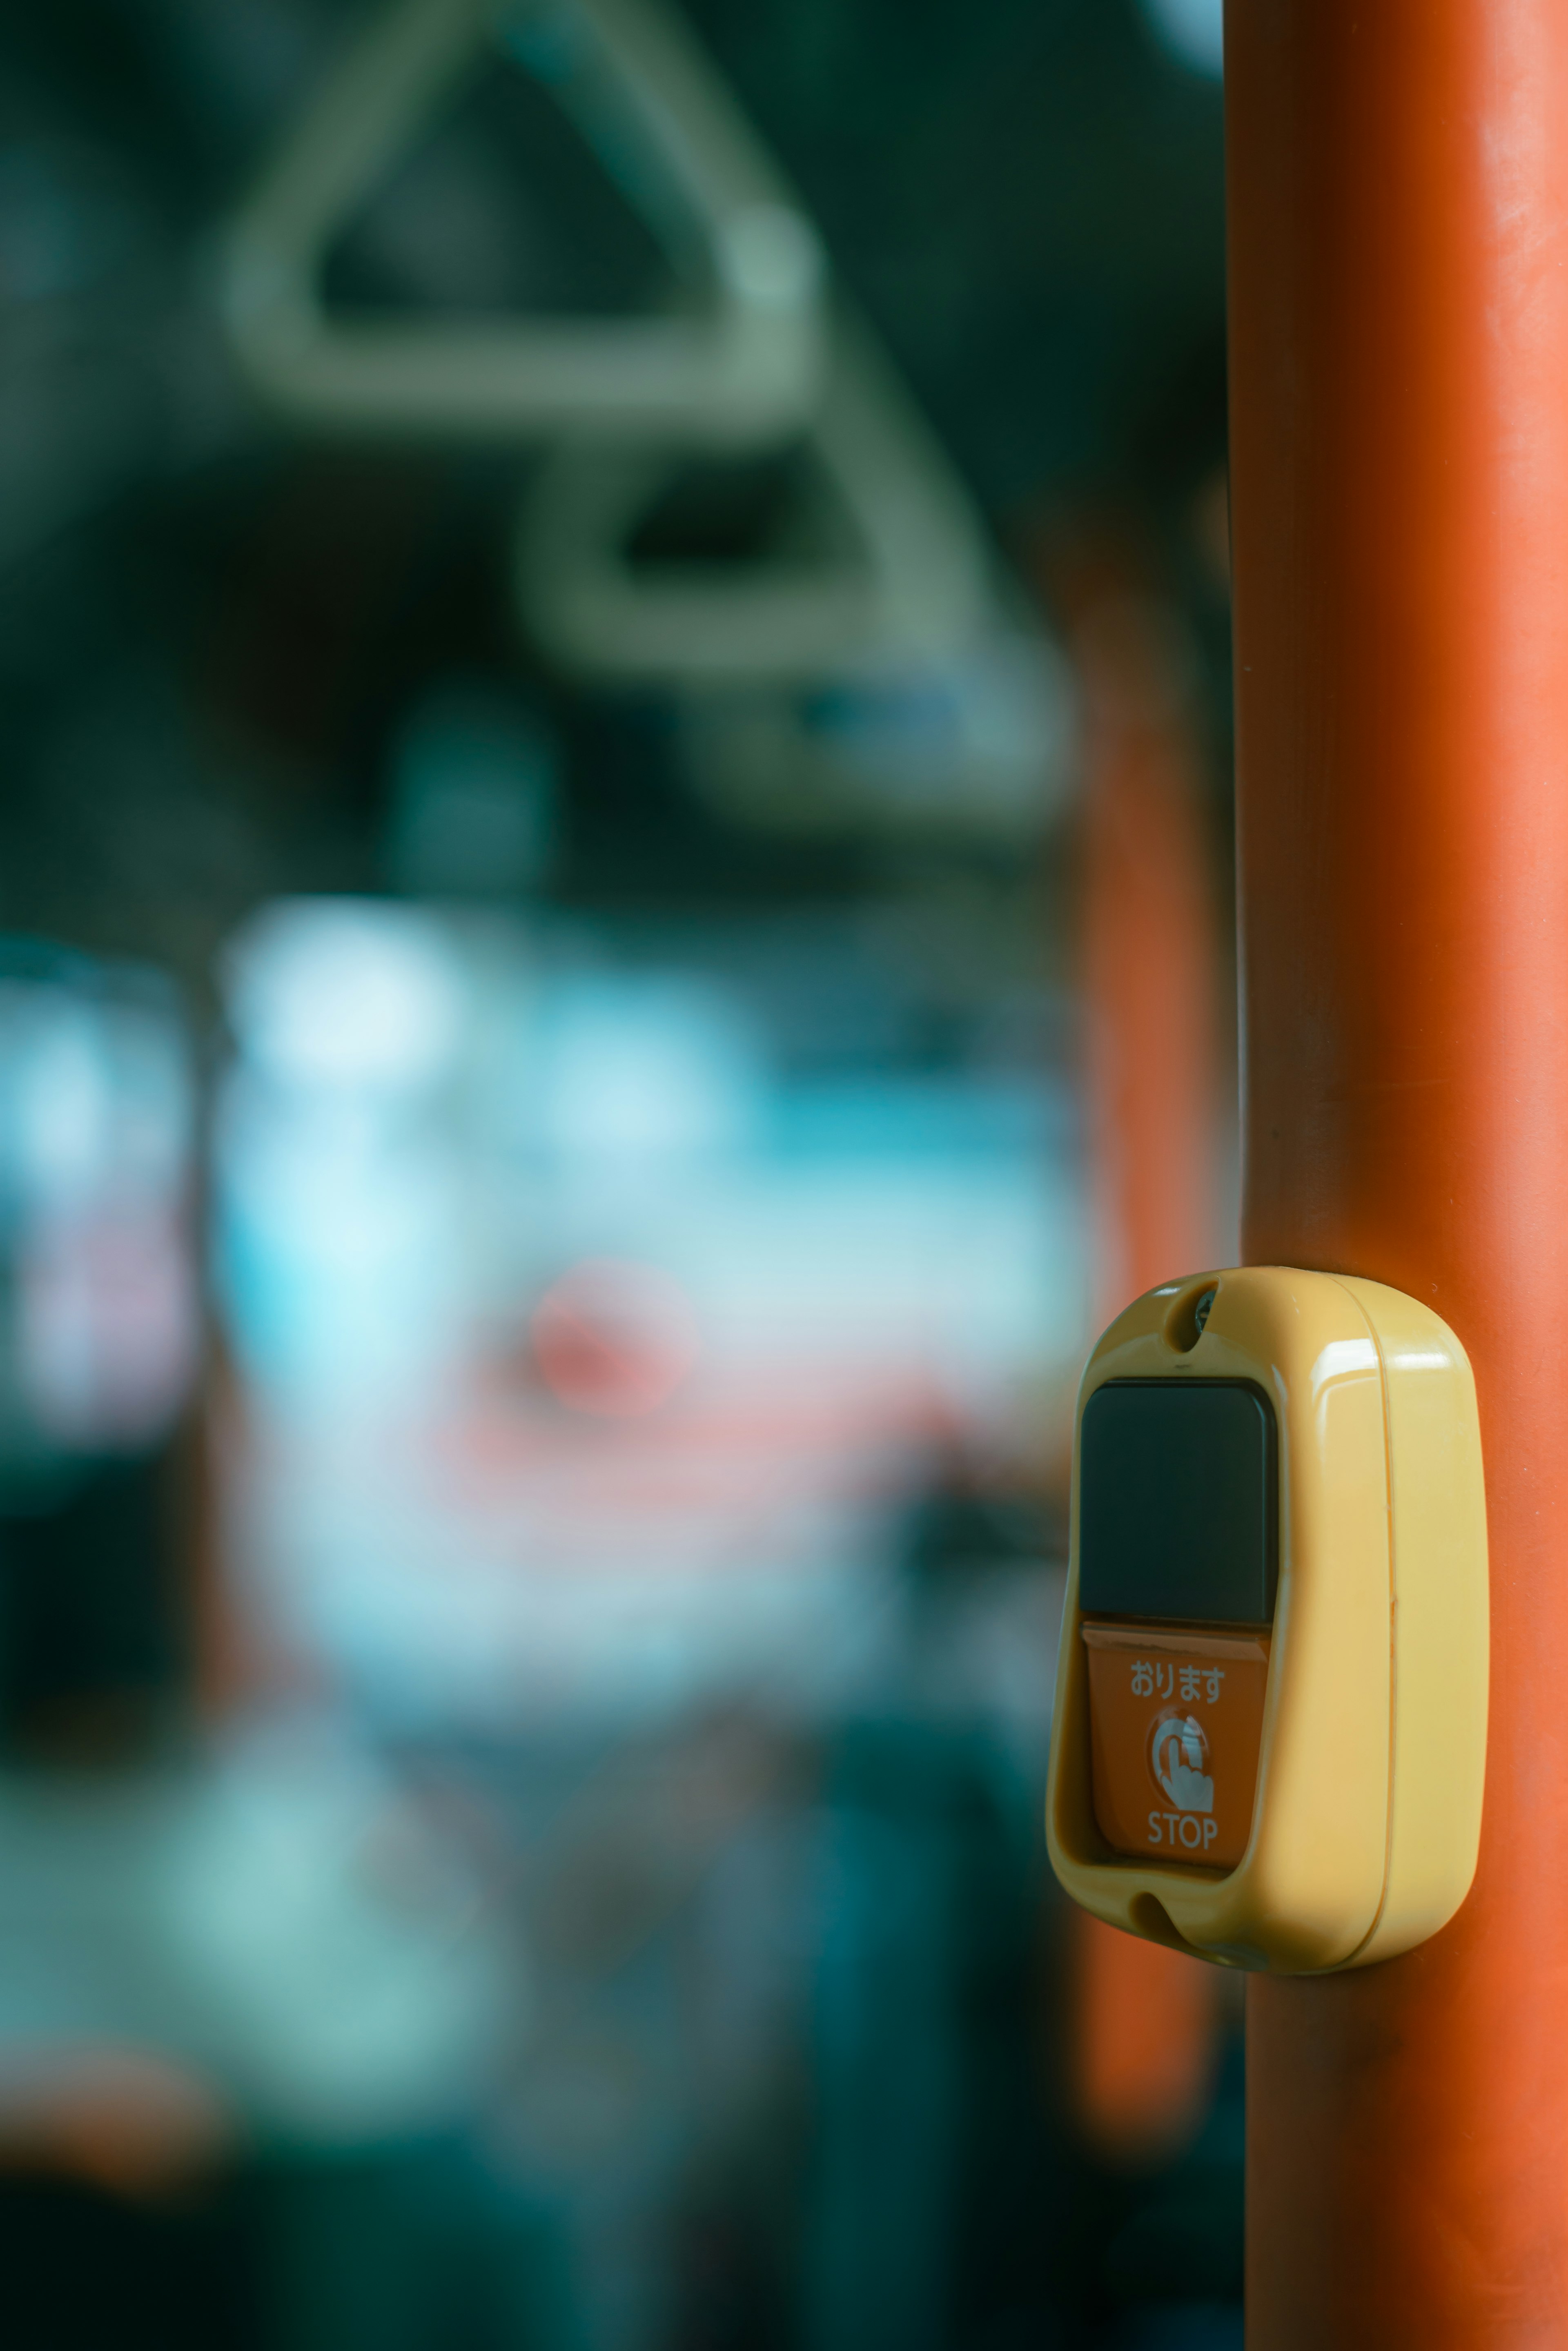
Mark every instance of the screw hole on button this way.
pixel 1188 1317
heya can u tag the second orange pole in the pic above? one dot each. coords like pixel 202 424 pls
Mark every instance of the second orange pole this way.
pixel 1141 2019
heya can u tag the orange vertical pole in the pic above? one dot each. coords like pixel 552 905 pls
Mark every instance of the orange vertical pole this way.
pixel 1141 2019
pixel 1398 200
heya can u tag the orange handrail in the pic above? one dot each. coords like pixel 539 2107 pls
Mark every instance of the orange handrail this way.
pixel 1398 254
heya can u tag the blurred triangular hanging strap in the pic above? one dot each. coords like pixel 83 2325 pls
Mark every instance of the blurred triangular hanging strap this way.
pixel 744 368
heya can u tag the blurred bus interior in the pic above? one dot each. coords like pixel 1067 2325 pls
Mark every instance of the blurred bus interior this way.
pixel 614 881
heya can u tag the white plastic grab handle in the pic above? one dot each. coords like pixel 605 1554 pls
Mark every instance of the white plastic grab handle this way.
pixel 917 582
pixel 746 372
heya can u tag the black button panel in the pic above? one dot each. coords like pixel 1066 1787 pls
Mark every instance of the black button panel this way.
pixel 1178 1501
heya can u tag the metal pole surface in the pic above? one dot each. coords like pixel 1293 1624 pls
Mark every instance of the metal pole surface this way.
pixel 1398 210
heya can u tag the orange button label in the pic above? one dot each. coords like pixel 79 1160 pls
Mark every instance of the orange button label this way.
pixel 1176 1723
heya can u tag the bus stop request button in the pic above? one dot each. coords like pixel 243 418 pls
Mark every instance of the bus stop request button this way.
pixel 1176 1721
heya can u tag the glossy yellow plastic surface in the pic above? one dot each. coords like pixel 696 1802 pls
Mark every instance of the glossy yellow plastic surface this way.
pixel 1367 1816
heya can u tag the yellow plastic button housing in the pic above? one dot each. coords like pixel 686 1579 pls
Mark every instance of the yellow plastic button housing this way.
pixel 1327 1537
